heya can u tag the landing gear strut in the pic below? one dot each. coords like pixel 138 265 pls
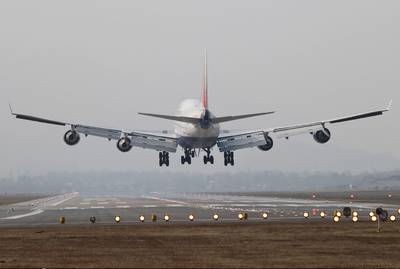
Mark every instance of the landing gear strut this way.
pixel 164 158
pixel 187 157
pixel 209 158
pixel 229 158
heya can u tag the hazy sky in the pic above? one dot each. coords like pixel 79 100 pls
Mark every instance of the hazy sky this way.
pixel 101 62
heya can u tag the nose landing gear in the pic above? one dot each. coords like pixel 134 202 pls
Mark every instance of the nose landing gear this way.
pixel 229 158
pixel 164 158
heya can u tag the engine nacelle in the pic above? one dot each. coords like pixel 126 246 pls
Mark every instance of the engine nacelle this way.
pixel 124 144
pixel 322 136
pixel 269 143
pixel 71 138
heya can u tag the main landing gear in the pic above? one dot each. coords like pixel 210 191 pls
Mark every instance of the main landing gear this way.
pixel 164 158
pixel 187 158
pixel 229 158
pixel 208 158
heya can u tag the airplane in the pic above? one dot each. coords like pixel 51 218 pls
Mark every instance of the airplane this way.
pixel 196 128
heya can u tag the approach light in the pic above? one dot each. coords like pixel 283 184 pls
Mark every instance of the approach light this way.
pixel 166 218
pixel 354 219
pixel 265 215
pixel 336 219
pixel 93 219
pixel 392 218
pixel 191 217
pixel 305 214
pixel 241 216
pixel 215 217
pixel 322 214
pixel 117 219
pixel 61 220
pixel 371 214
pixel 338 213
pixel 141 218
pixel 374 218
pixel 355 214
pixel 398 210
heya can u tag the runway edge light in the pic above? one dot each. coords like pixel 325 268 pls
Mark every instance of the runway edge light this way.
pixel 167 217
pixel 392 218
pixel 215 217
pixel 336 218
pixel 117 219
pixel 141 218
pixel 264 215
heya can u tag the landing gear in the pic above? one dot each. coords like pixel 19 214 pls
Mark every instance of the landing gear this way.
pixel 164 158
pixel 229 158
pixel 208 158
pixel 187 157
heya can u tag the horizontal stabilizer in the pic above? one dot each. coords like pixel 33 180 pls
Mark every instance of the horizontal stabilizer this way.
pixel 174 118
pixel 238 117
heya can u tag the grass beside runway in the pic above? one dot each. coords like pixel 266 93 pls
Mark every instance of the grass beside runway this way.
pixel 244 244
pixel 18 198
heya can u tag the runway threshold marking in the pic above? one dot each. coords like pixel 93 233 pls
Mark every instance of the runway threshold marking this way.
pixel 36 212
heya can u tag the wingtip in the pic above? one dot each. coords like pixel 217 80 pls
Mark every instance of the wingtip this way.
pixel 11 110
pixel 389 105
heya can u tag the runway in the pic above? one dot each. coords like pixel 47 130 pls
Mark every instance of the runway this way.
pixel 77 209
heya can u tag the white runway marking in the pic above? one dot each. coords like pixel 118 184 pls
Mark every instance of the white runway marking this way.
pixel 121 202
pixel 70 207
pixel 62 201
pixel 96 207
pixel 103 203
pixel 165 200
pixel 149 206
pixel 26 215
pixel 123 206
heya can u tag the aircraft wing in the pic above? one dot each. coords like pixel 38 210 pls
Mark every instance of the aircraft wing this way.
pixel 246 139
pixel 161 141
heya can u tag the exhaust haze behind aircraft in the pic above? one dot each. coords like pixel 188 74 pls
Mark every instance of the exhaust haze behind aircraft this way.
pixel 196 128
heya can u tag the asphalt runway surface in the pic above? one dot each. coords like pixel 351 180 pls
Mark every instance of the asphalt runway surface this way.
pixel 77 209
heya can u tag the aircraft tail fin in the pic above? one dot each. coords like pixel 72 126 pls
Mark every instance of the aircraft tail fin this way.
pixel 204 89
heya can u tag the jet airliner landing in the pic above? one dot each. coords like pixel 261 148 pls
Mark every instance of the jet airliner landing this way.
pixel 196 128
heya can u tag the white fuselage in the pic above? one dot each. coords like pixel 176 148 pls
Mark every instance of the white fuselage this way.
pixel 193 135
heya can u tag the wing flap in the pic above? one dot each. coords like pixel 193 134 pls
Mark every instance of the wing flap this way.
pixel 100 132
pixel 155 142
pixel 242 141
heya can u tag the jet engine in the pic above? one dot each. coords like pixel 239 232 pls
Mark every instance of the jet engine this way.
pixel 322 136
pixel 124 144
pixel 71 138
pixel 269 143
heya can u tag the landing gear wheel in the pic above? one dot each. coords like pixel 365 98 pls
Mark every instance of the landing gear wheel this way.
pixel 163 158
pixel 193 154
pixel 229 158
pixel 205 160
pixel 212 159
pixel 182 159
